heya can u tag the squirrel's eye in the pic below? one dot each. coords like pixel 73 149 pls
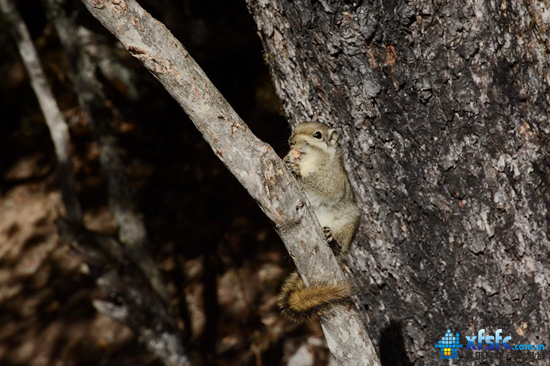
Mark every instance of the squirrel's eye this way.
pixel 318 135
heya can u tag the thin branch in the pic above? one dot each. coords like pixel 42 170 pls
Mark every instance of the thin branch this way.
pixel 252 161
pixel 92 99
pixel 59 130
pixel 138 303
pixel 101 52
pixel 132 300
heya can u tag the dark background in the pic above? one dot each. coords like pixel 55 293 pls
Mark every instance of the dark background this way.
pixel 222 261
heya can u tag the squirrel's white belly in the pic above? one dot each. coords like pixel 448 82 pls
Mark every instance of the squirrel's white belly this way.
pixel 325 215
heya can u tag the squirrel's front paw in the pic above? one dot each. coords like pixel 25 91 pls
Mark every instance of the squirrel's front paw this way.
pixel 292 164
pixel 332 243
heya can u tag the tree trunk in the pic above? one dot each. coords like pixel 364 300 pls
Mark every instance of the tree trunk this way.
pixel 444 107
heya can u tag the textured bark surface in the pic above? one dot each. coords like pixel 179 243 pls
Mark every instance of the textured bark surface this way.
pixel 253 162
pixel 445 107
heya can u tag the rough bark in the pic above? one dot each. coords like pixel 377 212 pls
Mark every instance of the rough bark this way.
pixel 445 107
pixel 252 161
pixel 57 126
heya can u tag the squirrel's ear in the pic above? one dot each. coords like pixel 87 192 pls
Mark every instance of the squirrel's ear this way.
pixel 332 136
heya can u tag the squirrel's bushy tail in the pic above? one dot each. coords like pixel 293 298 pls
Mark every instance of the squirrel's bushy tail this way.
pixel 302 304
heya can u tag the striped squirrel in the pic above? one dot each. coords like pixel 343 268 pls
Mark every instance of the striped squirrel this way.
pixel 315 158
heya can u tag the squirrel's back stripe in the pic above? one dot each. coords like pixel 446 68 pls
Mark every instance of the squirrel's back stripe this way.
pixel 302 304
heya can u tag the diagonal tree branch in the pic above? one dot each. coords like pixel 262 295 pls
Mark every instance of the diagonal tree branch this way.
pixel 131 299
pixel 134 299
pixel 252 161
pixel 59 130
pixel 92 99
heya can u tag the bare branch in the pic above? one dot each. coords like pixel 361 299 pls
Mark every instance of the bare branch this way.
pixel 59 130
pixel 252 161
pixel 92 99
pixel 132 300
pixel 140 304
pixel 102 53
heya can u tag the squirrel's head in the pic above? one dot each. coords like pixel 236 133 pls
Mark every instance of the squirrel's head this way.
pixel 314 136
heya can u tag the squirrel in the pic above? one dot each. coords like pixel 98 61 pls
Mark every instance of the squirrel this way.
pixel 315 158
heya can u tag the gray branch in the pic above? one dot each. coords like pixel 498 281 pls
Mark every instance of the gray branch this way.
pixel 131 298
pixel 252 161
pixel 139 304
pixel 92 99
pixel 59 130
pixel 119 75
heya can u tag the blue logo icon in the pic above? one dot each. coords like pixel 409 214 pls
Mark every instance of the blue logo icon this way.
pixel 448 346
